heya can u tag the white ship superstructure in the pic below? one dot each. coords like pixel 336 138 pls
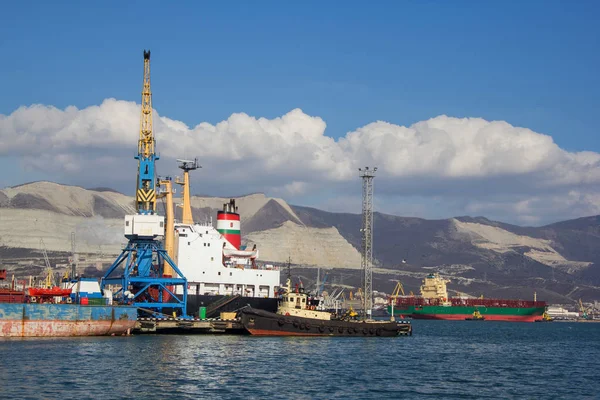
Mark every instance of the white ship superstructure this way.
pixel 213 266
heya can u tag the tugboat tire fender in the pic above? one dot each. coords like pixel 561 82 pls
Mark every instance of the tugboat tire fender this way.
pixel 307 326
pixel 321 329
pixel 341 329
pixel 365 331
pixel 280 321
pixel 378 332
pixel 302 326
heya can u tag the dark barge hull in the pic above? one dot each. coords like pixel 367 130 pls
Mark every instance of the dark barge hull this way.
pixel 216 304
pixel 264 323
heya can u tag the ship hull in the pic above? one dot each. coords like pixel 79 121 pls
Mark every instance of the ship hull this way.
pixel 262 323
pixel 229 304
pixel 460 313
pixel 65 320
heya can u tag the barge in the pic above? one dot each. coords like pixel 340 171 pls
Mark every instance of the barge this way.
pixel 79 310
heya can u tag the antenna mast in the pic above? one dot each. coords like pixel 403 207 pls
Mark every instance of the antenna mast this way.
pixel 367 176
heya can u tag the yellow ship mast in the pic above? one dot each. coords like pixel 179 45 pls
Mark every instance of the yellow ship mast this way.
pixel 167 192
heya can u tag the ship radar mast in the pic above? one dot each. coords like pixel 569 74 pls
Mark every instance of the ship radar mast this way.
pixel 187 166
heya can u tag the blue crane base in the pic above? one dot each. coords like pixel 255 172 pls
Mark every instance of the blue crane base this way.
pixel 142 283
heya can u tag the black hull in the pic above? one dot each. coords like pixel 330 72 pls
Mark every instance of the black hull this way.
pixel 263 323
pixel 228 304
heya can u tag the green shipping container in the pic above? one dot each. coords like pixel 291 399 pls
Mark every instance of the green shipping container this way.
pixel 97 301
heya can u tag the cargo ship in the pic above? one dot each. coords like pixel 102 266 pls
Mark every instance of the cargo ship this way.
pixel 75 309
pixel 434 303
pixel 223 275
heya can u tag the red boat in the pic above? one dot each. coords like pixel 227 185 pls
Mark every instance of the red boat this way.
pixel 45 292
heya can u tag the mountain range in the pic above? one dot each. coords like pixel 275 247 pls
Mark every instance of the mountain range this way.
pixel 559 262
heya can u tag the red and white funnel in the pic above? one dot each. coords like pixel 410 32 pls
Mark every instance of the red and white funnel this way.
pixel 228 223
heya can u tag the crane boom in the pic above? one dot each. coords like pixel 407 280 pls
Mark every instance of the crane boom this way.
pixel 146 191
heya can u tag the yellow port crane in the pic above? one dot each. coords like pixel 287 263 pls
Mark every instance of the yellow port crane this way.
pixel 397 290
pixel 582 310
pixel 145 199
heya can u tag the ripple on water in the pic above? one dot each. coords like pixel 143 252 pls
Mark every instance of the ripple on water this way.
pixel 443 359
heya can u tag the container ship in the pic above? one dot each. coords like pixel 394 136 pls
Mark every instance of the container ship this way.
pixel 76 308
pixel 434 303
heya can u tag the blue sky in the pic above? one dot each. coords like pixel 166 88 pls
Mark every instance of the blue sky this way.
pixel 533 64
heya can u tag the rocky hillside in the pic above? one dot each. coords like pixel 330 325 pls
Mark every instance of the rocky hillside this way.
pixel 50 212
pixel 559 261
pixel 479 255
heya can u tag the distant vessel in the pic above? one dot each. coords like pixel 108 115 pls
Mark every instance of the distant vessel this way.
pixel 475 317
pixel 79 310
pixel 545 318
pixel 296 316
pixel 434 303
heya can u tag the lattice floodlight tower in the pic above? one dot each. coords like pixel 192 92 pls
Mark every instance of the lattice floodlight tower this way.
pixel 367 176
pixel 143 282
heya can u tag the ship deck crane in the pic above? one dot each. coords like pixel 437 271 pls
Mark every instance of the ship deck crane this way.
pixel 149 275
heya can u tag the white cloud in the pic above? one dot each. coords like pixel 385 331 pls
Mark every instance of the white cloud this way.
pixel 292 156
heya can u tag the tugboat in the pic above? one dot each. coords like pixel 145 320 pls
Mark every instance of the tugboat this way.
pixel 475 317
pixel 295 316
pixel 545 318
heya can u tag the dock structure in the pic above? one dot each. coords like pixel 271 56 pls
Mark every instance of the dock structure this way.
pixel 172 325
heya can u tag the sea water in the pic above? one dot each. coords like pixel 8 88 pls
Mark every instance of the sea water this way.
pixel 443 359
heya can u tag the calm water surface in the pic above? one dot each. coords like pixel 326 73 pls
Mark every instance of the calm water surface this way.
pixel 443 359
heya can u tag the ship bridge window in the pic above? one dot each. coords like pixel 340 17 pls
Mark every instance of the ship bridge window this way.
pixel 230 274
pixel 303 300
pixel 291 299
pixel 219 272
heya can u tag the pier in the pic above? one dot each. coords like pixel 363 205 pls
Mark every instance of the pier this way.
pixel 188 326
